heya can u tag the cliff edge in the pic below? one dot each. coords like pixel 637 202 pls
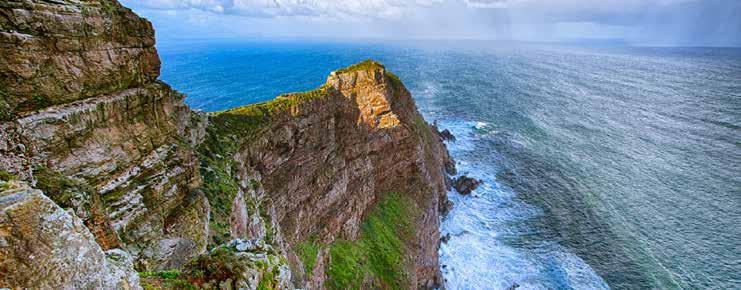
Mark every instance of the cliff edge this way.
pixel 340 187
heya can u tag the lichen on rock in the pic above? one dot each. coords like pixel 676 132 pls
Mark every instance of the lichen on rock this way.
pixel 45 247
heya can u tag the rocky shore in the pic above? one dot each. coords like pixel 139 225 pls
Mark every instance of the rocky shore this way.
pixel 107 180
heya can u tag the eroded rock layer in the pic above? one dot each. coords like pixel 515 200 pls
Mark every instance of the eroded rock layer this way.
pixel 86 121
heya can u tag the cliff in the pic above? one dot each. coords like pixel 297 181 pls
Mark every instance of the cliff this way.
pixel 334 188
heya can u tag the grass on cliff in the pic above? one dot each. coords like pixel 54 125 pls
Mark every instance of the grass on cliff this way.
pixel 58 187
pixel 224 267
pixel 246 120
pixel 170 279
pixel 227 133
pixel 221 264
pixel 308 252
pixel 367 64
pixel 6 176
pixel 379 255
pixel 219 184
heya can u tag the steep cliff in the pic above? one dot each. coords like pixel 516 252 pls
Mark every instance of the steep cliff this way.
pixel 89 125
pixel 334 188
pixel 325 158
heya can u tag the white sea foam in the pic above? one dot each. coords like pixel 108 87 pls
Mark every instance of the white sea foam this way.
pixel 478 254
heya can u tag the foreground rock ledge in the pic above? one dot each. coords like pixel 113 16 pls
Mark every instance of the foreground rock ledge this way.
pixel 45 247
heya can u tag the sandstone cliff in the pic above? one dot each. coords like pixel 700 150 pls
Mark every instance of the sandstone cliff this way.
pixel 333 188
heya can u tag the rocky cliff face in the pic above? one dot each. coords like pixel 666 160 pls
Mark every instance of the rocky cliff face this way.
pixel 333 188
pixel 325 158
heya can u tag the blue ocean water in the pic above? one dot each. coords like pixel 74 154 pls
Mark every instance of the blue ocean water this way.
pixel 604 167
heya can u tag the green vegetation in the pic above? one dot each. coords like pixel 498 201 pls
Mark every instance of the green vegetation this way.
pixel 380 251
pixel 308 252
pixel 170 274
pixel 268 280
pixel 247 120
pixel 396 83
pixel 367 64
pixel 219 265
pixel 164 280
pixel 227 132
pixel 424 130
pixel 220 188
pixel 223 266
pixel 36 102
pixel 6 176
pixel 61 189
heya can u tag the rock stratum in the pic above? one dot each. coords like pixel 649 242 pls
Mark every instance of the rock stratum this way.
pixel 108 181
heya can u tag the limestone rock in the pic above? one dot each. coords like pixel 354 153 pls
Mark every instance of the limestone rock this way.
pixel 43 246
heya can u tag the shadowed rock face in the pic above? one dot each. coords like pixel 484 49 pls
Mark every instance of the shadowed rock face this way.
pixel 83 118
pixel 55 52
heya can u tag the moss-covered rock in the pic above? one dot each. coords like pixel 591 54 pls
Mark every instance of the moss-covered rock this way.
pixel 168 279
pixel 234 266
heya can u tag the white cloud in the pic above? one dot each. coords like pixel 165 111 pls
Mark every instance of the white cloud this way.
pixel 279 8
pixel 549 20
pixel 348 9
pixel 491 3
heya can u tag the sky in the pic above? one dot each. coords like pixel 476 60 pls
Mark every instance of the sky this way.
pixel 639 22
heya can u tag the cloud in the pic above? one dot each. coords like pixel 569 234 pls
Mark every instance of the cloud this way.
pixel 696 22
pixel 289 8
pixel 491 3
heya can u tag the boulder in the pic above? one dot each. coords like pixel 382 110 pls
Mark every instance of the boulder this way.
pixel 42 246
pixel 445 135
pixel 445 239
pixel 464 184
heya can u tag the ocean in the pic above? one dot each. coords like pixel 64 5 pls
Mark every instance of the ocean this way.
pixel 603 166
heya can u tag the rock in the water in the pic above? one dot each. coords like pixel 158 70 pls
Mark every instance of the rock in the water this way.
pixel 446 135
pixel 445 238
pixel 445 207
pixel 464 184
pixel 42 246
